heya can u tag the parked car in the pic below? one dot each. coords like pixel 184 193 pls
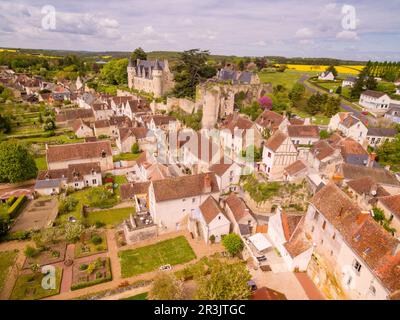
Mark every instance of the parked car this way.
pixel 166 267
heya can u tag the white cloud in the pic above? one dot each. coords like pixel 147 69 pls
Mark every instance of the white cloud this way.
pixel 304 33
pixel 347 35
pixel 260 43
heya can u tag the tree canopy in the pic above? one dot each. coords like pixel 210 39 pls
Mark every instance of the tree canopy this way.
pixel 389 153
pixel 191 69
pixel 114 72
pixel 332 69
pixel 232 243
pixel 226 281
pixel 16 163
pixel 139 53
pixel 166 287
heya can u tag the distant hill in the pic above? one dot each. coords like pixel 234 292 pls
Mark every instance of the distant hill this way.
pixel 173 55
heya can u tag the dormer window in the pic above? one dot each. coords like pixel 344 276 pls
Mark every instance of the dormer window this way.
pixel 103 154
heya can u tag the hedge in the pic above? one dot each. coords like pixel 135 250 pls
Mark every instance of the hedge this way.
pixel 11 200
pixel 14 209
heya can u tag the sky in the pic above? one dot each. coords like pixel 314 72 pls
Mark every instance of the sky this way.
pixel 354 29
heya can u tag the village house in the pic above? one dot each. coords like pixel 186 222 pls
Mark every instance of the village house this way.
pixel 237 134
pixel 278 153
pixel 390 204
pixel 385 178
pixel 349 82
pixel 326 76
pixel 68 116
pixel 324 157
pixel 162 122
pixel 61 156
pixel 82 129
pixel 172 200
pixel 151 76
pixel 127 137
pixel 102 110
pixel 353 153
pixel 365 191
pixel 102 128
pixel 378 136
pixel 358 252
pixel 287 235
pixel 303 134
pixel 394 113
pixel 243 221
pixel 133 109
pixel 228 175
pixel 349 126
pixel 270 121
pixel 237 77
pixel 375 102
pixel 295 172
pixel 209 222
pixel 118 103
pixel 75 176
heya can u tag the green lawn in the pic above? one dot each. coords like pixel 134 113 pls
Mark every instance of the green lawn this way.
pixel 149 258
pixel 126 156
pixel 109 217
pixel 7 259
pixel 287 78
pixel 29 287
pixel 41 163
pixel 140 296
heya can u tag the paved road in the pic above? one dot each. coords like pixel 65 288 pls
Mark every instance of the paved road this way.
pixel 344 104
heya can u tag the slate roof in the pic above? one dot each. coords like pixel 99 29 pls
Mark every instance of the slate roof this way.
pixel 382 132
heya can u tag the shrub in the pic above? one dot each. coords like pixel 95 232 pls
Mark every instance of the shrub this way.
pixel 83 267
pixel 96 239
pixel 17 205
pixel 100 197
pixel 232 243
pixel 212 238
pixel 30 252
pixel 18 235
pixel 99 224
pixel 67 205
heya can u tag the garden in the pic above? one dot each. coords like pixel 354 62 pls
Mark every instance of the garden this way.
pixel 29 286
pixel 90 243
pixel 149 258
pixel 90 273
pixel 44 255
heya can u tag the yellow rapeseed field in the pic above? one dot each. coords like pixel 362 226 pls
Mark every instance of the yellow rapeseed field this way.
pixel 8 50
pixel 316 68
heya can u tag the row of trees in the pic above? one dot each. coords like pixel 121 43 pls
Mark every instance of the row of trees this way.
pixel 389 71
pixel 323 103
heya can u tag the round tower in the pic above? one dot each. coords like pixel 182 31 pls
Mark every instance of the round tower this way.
pixel 157 75
pixel 131 73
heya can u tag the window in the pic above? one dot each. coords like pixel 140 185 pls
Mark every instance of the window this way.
pixel 357 266
pixel 269 154
pixel 324 225
pixel 193 200
pixel 312 229
pixel 372 290
pixel 316 214
pixel 94 181
pixel 76 184
pixel 183 200
pixel 268 169
pixel 334 236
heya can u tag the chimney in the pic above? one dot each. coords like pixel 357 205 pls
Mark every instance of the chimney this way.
pixel 371 159
pixel 207 183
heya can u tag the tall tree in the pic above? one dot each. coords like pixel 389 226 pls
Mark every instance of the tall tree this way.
pixel 5 124
pixel 115 72
pixel 232 243
pixel 332 69
pixel 241 65
pixel 191 69
pixel 139 53
pixel 16 163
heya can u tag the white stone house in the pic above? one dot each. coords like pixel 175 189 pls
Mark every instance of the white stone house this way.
pixel 349 125
pixel 286 234
pixel 228 175
pixel 173 200
pixel 82 129
pixel 358 252
pixel 303 134
pixel 391 207
pixel 349 82
pixel 278 153
pixel 378 136
pixel 209 221
pixel 243 221
pixel 374 101
pixel 394 113
pixel 327 76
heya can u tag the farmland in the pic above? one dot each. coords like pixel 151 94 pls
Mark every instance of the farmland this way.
pixel 316 68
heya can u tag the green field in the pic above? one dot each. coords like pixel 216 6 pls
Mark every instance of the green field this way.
pixel 149 258
pixel 287 78
pixel 110 217
pixel 29 286
pixel 126 156
pixel 7 259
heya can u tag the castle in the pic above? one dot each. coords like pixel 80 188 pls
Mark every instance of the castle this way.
pixel 150 76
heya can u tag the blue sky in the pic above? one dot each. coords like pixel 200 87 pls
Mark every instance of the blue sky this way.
pixel 306 28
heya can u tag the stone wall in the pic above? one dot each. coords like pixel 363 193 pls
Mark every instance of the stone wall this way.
pixel 140 234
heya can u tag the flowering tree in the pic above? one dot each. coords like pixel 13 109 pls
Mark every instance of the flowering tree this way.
pixel 265 102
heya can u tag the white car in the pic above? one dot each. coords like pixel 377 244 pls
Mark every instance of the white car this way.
pixel 165 267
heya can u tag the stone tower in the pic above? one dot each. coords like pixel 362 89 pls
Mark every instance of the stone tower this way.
pixel 131 73
pixel 157 75
pixel 210 109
